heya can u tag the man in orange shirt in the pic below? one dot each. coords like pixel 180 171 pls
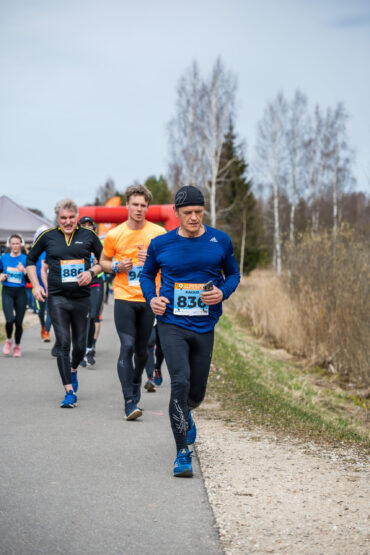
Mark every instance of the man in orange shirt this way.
pixel 124 254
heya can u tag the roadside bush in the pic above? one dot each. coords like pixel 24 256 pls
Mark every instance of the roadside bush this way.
pixel 320 307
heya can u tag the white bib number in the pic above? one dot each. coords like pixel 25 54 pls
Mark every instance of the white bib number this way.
pixel 134 275
pixel 187 301
pixel 71 269
pixel 14 275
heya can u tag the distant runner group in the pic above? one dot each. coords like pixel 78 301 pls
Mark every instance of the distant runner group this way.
pixel 168 291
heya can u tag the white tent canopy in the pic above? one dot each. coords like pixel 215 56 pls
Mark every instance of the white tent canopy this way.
pixel 17 219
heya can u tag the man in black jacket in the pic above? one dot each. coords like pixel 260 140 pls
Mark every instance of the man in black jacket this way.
pixel 68 249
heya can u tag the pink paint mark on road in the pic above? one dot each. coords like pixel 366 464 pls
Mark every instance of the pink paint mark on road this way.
pixel 157 413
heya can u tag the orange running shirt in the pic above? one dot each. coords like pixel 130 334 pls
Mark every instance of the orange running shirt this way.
pixel 122 242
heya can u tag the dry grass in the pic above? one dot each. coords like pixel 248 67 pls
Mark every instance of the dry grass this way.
pixel 265 305
pixel 320 308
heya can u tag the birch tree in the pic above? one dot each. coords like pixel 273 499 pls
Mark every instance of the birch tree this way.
pixel 218 112
pixel 271 161
pixel 339 157
pixel 296 140
pixel 316 163
pixel 329 160
pixel 203 111
pixel 185 131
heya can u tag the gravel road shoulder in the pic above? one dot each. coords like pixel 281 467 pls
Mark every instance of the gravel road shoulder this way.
pixel 273 495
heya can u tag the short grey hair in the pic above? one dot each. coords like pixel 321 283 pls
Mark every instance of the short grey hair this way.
pixel 65 204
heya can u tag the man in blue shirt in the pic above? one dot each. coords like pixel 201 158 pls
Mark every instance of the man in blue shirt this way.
pixel 199 271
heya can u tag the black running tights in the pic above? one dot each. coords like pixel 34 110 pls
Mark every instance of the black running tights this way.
pixel 14 301
pixel 69 316
pixel 188 357
pixel 134 323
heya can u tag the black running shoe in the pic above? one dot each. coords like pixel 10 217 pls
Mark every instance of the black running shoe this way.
pixel 90 359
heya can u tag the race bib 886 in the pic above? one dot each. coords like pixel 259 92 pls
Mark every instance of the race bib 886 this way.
pixel 71 269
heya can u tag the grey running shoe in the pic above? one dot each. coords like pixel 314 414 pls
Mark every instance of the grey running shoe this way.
pixel 150 386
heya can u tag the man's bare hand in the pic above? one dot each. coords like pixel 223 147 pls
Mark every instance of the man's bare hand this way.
pixel 124 265
pixel 214 296
pixel 159 305
pixel 142 253
pixel 84 278
pixel 39 293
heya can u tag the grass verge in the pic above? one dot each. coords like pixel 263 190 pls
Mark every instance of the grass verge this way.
pixel 255 388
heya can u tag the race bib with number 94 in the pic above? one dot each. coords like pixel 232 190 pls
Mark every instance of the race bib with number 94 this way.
pixel 134 274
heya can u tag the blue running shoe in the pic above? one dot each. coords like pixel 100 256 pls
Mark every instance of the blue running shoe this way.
pixel 74 381
pixel 132 411
pixel 158 377
pixel 192 430
pixel 69 401
pixel 183 468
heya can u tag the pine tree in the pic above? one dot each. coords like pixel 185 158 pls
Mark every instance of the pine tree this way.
pixel 159 189
pixel 237 209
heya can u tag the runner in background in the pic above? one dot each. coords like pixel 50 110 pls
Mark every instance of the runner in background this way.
pixel 153 366
pixel 96 303
pixel 198 271
pixel 68 249
pixel 14 297
pixel 124 254
pixel 42 306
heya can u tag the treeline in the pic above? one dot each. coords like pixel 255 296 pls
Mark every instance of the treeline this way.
pixel 299 178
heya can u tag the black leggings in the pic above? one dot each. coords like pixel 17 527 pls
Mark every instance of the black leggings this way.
pixel 188 357
pixel 134 323
pixel 96 301
pixel 154 345
pixel 14 301
pixel 69 315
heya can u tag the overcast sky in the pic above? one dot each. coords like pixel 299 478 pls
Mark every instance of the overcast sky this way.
pixel 89 86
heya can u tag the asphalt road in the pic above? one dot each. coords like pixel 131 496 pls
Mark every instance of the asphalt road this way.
pixel 85 481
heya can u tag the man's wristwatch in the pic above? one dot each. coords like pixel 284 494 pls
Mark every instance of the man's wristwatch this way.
pixel 92 274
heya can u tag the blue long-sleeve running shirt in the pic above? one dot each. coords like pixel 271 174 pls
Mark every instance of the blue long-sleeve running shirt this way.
pixel 186 264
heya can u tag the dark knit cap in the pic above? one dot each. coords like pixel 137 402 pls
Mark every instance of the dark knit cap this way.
pixel 189 196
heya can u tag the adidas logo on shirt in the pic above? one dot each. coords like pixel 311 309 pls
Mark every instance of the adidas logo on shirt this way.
pixel 213 240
